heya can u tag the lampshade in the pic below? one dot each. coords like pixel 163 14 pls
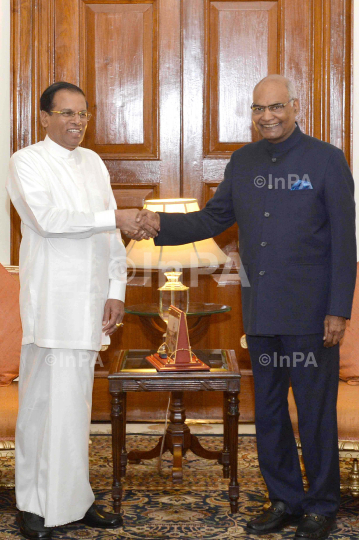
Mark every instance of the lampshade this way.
pixel 145 254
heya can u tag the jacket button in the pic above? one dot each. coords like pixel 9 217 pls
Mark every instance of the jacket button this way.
pixel 274 159
pixel 263 244
pixel 266 214
pixel 262 272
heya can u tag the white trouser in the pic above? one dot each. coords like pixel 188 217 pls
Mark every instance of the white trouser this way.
pixel 52 433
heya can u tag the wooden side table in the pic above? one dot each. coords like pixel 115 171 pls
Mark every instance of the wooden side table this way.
pixel 131 372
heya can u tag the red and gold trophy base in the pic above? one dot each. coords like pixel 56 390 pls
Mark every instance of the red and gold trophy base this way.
pixel 179 354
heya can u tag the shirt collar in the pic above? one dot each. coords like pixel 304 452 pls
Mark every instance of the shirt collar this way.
pixel 58 151
pixel 279 148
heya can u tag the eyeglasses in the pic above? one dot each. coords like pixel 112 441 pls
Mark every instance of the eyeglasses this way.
pixel 275 108
pixel 84 115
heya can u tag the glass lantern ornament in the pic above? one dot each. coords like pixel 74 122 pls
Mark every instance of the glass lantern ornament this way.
pixel 173 293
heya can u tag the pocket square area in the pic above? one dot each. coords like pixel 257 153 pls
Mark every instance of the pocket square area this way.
pixel 301 184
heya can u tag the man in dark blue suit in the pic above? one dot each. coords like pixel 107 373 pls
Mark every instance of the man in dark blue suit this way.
pixel 293 199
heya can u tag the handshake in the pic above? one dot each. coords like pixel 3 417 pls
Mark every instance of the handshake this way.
pixel 138 224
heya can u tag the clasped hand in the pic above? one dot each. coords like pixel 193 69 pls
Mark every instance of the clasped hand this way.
pixel 138 224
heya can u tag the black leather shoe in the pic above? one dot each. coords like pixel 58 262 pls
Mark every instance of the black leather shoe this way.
pixel 314 526
pixel 98 519
pixel 32 526
pixel 272 520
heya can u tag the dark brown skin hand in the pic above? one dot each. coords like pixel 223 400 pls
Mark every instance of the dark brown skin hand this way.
pixel 113 313
pixel 148 224
pixel 334 328
pixel 140 235
pixel 126 220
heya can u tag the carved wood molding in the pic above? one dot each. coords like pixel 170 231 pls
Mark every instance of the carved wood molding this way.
pixel 142 385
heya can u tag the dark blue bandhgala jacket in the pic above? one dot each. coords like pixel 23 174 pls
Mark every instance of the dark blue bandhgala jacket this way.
pixel 296 232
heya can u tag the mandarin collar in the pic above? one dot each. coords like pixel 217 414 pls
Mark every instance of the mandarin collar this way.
pixel 282 147
pixel 58 151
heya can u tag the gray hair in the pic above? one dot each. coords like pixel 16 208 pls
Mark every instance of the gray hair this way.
pixel 292 94
pixel 291 89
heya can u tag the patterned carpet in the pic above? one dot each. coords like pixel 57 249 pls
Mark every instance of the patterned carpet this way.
pixel 154 509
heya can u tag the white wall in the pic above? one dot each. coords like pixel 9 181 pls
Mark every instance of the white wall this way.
pixel 5 129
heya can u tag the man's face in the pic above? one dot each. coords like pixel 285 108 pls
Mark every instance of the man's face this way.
pixel 278 125
pixel 67 132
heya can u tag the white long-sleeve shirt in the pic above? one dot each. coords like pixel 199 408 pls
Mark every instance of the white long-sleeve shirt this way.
pixel 71 256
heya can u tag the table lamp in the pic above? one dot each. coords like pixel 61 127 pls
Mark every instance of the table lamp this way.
pixel 146 255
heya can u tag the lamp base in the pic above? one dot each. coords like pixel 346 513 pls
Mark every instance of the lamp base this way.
pixel 165 364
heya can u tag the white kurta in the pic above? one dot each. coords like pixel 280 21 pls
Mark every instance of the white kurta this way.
pixel 69 262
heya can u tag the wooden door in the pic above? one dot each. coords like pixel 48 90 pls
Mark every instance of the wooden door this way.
pixel 169 83
pixel 237 43
pixel 111 50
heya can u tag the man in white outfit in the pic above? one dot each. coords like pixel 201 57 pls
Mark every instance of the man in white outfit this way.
pixel 73 279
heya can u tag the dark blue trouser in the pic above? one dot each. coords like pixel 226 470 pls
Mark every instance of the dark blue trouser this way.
pixel 313 372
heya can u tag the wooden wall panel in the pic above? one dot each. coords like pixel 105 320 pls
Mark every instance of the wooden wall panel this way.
pixel 120 70
pixel 170 80
pixel 193 65
pixel 121 78
pixel 133 195
pixel 66 46
pixel 23 14
pixel 296 55
pixel 44 59
pixel 340 76
pixel 241 43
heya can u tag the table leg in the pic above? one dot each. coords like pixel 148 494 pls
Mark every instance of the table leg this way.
pixel 232 417
pixel 137 455
pixel 225 453
pixel 123 397
pixel 178 436
pixel 198 449
pixel 117 432
pixel 178 439
pixel 178 453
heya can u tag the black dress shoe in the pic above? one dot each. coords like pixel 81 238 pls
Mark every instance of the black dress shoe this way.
pixel 272 520
pixel 32 526
pixel 315 526
pixel 98 519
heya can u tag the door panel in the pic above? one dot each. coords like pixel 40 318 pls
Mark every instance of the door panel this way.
pixel 120 64
pixel 241 49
